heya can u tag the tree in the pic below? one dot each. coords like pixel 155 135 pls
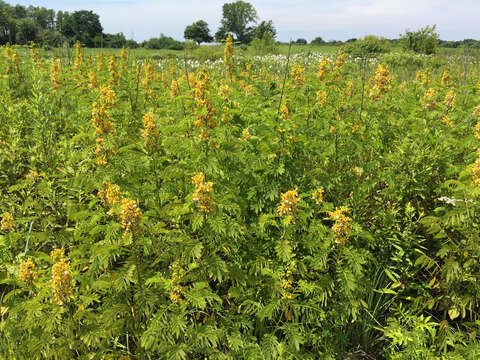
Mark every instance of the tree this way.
pixel 83 25
pixel 368 47
pixel 198 32
pixel 27 31
pixel 264 45
pixel 265 27
pixel 423 41
pixel 317 41
pixel 236 18
pixel 301 41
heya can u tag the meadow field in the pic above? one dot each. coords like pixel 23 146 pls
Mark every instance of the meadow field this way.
pixel 302 205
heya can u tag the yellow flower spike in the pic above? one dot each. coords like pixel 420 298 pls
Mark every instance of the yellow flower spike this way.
pixel 298 74
pixel 28 272
pixel 202 194
pixel 450 99
pixel 130 216
pixel 288 204
pixel 342 227
pixel 150 132
pixel 323 68
pixel 429 102
pixel 109 194
pixel 446 79
pixel 318 195
pixel 61 283
pixel 7 222
pixel 381 82
pixel 340 60
pixel 321 98
pixel 174 89
pixel 228 56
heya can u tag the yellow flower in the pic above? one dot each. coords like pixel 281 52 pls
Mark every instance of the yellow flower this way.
pixel 130 215
pixel 318 196
pixel 202 194
pixel 476 171
pixel 340 60
pixel 174 89
pixel 57 254
pixel 422 78
pixel 342 227
pixel 7 222
pixel 228 56
pixel 450 100
pixel 150 132
pixel 381 81
pixel 246 135
pixel 61 283
pixel 446 79
pixel 447 121
pixel 298 74
pixel 429 102
pixel 323 68
pixel 109 194
pixel 321 97
pixel 28 271
pixel 288 204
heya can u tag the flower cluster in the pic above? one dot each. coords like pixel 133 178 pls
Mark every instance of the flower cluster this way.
pixel 446 80
pixel 228 56
pixel 7 222
pixel 55 68
pixel 203 194
pixel 92 80
pixel 342 227
pixel 150 132
pixel 429 102
pixel 205 111
pixel 61 283
pixel 13 60
pixel 324 66
pixel 318 195
pixel 27 272
pixel 246 135
pixel 288 204
pixel 115 75
pixel 78 61
pixel 174 89
pixel 340 60
pixel 422 77
pixel 109 194
pixel 130 216
pixel 321 97
pixel 449 101
pixel 298 74
pixel 381 81
pixel 177 288
pixel 101 122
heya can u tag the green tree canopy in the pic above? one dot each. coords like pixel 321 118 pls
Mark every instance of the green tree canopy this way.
pixel 265 27
pixel 82 25
pixel 237 17
pixel 198 32
pixel 423 41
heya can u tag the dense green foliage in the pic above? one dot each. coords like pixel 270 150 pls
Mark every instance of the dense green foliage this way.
pixel 369 46
pixel 198 32
pixel 422 41
pixel 263 208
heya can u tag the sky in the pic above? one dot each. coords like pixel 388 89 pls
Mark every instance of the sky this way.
pixel 329 19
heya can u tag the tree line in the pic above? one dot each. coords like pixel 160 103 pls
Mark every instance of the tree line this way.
pixel 23 24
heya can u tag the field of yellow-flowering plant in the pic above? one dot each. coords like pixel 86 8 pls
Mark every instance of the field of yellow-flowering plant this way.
pixel 300 207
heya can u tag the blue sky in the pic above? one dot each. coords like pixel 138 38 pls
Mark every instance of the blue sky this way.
pixel 330 19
